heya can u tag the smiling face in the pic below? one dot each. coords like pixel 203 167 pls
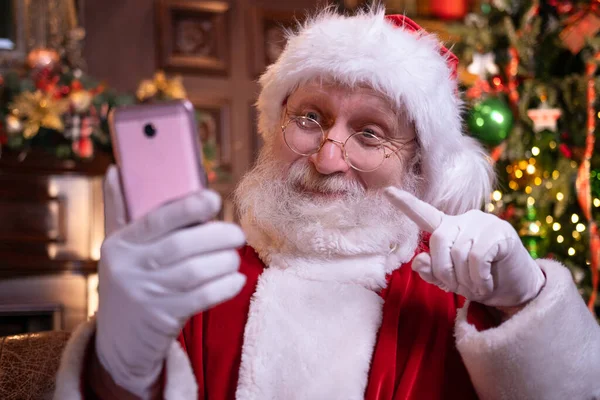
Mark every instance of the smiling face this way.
pixel 301 202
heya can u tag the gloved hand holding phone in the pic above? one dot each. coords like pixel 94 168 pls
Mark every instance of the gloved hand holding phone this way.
pixel 154 274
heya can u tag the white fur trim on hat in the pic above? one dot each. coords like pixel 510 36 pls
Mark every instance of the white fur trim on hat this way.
pixel 409 69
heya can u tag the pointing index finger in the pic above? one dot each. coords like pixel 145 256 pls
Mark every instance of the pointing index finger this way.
pixel 426 216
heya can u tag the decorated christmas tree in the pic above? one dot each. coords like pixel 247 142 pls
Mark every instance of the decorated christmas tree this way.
pixel 531 86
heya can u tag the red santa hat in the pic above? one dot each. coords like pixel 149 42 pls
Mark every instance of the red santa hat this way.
pixel 395 56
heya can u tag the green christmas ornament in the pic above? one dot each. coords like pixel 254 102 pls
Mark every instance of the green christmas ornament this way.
pixel 490 120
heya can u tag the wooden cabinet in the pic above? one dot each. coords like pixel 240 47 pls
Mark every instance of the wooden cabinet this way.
pixel 50 215
pixel 51 229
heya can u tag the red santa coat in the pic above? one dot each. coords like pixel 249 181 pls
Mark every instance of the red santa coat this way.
pixel 415 356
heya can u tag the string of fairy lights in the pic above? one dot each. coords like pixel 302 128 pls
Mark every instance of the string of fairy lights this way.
pixel 525 176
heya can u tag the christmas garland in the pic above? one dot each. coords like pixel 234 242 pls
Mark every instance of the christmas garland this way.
pixel 62 111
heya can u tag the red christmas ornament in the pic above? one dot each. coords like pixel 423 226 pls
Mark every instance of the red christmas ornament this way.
pixel 479 88
pixel 580 26
pixel 84 147
pixel 562 7
pixel 41 58
pixel 47 84
pixel 565 8
pixel 498 84
pixel 508 213
pixel 76 85
pixel 449 10
pixel 565 150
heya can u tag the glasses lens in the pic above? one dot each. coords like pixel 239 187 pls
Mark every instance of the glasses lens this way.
pixel 303 135
pixel 365 151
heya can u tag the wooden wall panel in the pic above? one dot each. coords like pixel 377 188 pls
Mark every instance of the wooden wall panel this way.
pixel 33 220
pixel 123 46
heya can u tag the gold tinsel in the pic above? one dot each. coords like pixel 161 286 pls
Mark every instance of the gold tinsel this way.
pixel 162 86
pixel 37 110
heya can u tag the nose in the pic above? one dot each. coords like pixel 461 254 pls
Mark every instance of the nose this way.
pixel 330 158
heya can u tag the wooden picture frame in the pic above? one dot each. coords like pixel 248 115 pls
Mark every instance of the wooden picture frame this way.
pixel 13 47
pixel 193 36
pixel 214 128
pixel 267 27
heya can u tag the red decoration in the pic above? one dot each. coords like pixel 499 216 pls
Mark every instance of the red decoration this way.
pixel 511 72
pixel 582 25
pixel 47 84
pixel 565 150
pixel 565 8
pixel 512 68
pixel 41 58
pixel 76 85
pixel 508 213
pixel 498 84
pixel 479 88
pixel 562 7
pixel 83 146
pixel 582 183
pixel 497 152
pixel 3 135
pixel 445 9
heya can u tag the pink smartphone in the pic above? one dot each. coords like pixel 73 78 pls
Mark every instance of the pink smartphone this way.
pixel 157 149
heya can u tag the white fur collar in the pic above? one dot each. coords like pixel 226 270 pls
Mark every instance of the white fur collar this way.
pixel 313 320
pixel 308 339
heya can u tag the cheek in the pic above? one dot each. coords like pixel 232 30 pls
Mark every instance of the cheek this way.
pixel 282 151
pixel 389 174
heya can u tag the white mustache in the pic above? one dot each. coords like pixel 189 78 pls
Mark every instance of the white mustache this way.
pixel 304 175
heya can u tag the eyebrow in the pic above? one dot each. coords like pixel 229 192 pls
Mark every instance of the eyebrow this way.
pixel 390 121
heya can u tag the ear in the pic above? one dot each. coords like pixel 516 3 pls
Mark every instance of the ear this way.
pixel 115 214
pixel 464 179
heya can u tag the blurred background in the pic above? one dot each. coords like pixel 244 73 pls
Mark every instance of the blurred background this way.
pixel 527 75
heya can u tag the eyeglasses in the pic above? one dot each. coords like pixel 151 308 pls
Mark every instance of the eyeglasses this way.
pixel 363 151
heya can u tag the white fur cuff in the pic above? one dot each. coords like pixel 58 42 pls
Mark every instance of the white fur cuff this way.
pixel 549 350
pixel 180 381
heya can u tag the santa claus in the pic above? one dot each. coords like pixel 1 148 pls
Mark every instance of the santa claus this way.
pixel 363 267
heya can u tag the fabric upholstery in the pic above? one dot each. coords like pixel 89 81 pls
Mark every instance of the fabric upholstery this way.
pixel 28 364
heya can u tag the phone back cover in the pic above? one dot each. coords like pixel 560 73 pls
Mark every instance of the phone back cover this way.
pixel 156 170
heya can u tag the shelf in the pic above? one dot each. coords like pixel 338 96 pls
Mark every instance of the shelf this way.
pixel 32 266
pixel 42 162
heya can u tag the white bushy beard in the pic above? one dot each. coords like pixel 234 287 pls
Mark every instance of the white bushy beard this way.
pixel 280 216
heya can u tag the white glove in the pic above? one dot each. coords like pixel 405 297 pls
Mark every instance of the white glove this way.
pixel 154 274
pixel 476 255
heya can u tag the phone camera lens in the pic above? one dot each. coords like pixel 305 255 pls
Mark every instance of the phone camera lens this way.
pixel 149 130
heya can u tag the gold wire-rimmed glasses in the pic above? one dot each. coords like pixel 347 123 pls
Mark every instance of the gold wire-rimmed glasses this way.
pixel 363 151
